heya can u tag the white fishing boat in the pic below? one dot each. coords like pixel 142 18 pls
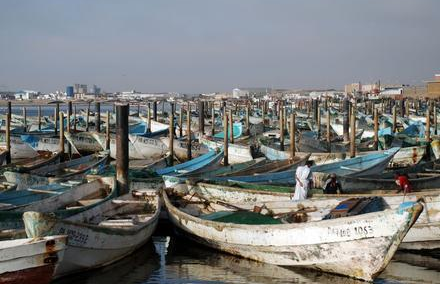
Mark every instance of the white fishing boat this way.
pixel 103 234
pixel 30 260
pixel 236 153
pixel 359 246
pixel 425 234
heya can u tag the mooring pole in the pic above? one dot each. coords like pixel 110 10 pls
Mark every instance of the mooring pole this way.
pixel 292 135
pixel 376 129
pixel 98 117
pixel 69 113
pixel 435 120
pixel 8 134
pixel 345 119
pixel 231 127
pixel 149 119
pixel 57 111
pixel 122 112
pixel 107 132
pixel 74 118
pixel 39 118
pixel 61 146
pixel 213 119
pixel 225 137
pixel 155 111
pixel 394 119
pixel 248 129
pixel 25 119
pixel 201 117
pixel 328 127
pixel 353 133
pixel 428 125
pixel 181 121
pixel 88 117
pixel 188 132
pixel 171 134
pixel 281 122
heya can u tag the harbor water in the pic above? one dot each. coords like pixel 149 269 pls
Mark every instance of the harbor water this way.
pixel 172 259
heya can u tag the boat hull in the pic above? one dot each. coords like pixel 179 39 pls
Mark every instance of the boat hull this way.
pixel 359 246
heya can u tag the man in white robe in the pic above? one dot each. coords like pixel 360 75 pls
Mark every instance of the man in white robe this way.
pixel 303 178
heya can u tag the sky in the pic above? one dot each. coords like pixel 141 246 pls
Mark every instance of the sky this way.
pixel 200 46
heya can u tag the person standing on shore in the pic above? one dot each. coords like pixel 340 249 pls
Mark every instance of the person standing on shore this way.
pixel 303 178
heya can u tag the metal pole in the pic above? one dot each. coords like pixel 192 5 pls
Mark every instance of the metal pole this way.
pixel 122 112
pixel 56 119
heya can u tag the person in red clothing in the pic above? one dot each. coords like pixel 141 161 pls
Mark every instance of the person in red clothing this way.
pixel 403 182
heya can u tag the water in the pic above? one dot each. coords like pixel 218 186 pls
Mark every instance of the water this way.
pixel 172 260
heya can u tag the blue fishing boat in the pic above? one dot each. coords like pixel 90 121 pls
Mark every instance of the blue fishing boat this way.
pixel 371 164
pixel 237 131
pixel 187 166
pixel 207 163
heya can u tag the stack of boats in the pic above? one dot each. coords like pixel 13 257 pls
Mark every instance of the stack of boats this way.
pixel 62 213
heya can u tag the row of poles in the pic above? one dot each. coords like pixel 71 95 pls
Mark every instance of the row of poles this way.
pixel 348 110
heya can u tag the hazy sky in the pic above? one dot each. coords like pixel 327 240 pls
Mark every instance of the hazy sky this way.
pixel 209 45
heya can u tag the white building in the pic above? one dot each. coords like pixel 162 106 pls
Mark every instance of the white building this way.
pixel 26 95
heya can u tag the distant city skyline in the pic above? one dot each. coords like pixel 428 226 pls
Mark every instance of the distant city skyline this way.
pixel 197 46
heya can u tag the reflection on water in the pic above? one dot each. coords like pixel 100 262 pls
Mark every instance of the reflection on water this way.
pixel 175 260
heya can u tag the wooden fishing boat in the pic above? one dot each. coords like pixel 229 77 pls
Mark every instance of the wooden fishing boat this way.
pixel 236 153
pixel 178 174
pixel 420 181
pixel 237 131
pixel 19 149
pixel 425 234
pixel 74 168
pixel 44 158
pixel 3 154
pixel 357 246
pixel 273 166
pixel 139 147
pixel 103 234
pixel 372 164
pixel 63 200
pixel 207 172
pixel 30 260
pixel 181 148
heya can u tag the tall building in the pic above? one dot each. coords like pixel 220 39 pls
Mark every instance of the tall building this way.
pixel 80 89
pixel 70 92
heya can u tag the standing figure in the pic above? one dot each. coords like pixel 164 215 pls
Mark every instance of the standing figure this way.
pixel 303 177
